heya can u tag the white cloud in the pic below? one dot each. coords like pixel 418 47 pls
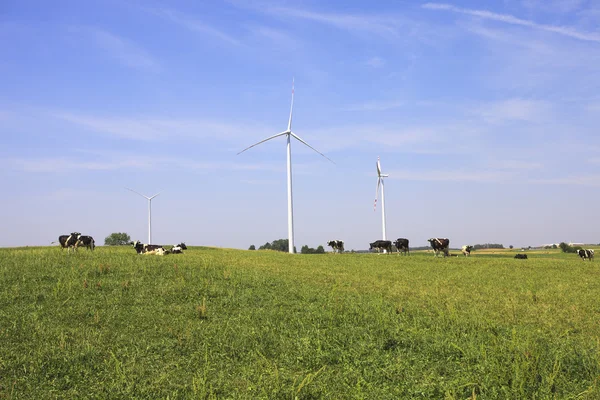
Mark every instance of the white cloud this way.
pixel 194 25
pixel 152 128
pixel 125 51
pixel 383 26
pixel 510 19
pixel 376 106
pixel 514 110
pixel 376 62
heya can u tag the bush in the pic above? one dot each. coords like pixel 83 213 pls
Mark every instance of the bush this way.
pixel 117 239
pixel 569 249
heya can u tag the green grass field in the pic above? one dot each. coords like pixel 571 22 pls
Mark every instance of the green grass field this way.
pixel 218 323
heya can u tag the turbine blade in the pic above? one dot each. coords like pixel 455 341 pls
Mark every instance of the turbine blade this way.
pixel 150 198
pixel 262 141
pixel 378 167
pixel 376 194
pixel 308 145
pixel 138 193
pixel 291 107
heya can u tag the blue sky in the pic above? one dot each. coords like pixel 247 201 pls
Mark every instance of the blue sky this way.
pixel 484 114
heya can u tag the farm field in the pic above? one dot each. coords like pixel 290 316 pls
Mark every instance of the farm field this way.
pixel 221 323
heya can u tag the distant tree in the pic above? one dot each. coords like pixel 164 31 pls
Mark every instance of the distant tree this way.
pixel 251 247
pixel 266 246
pixel 488 246
pixel 568 249
pixel 117 239
pixel 511 247
pixel 554 246
pixel 278 245
pixel 320 250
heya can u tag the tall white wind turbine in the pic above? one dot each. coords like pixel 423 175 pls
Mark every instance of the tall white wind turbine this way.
pixel 289 134
pixel 149 212
pixel 380 177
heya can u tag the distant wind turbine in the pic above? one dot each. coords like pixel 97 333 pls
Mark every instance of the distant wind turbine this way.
pixel 289 134
pixel 149 212
pixel 380 177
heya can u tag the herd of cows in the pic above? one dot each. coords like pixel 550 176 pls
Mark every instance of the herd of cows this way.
pixel 439 245
pixel 75 240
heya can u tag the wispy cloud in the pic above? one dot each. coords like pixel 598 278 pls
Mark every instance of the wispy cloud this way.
pixel 152 129
pixel 117 161
pixel 514 110
pixel 375 106
pixel 125 51
pixel 586 180
pixel 453 176
pixel 376 62
pixel 510 19
pixel 383 26
pixel 194 24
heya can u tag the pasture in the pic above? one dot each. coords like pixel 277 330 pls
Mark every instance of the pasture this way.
pixel 219 323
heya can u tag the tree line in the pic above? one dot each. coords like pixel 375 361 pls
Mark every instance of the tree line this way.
pixel 283 245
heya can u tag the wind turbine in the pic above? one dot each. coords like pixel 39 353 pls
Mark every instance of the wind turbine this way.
pixel 149 212
pixel 289 134
pixel 380 177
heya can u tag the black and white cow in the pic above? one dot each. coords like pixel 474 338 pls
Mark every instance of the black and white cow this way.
pixel 336 245
pixel 440 244
pixel 62 240
pixel 85 241
pixel 587 254
pixel 402 246
pixel 142 248
pixel 72 241
pixel 466 250
pixel 178 248
pixel 381 245
pixel 521 256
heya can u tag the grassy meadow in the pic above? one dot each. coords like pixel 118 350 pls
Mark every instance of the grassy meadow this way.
pixel 219 323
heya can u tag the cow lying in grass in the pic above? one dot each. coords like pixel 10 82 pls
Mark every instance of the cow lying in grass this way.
pixel 150 249
pixel 178 248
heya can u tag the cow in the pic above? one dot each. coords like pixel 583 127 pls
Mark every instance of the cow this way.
pixel 385 245
pixel 402 246
pixel 336 245
pixel 141 248
pixel 466 250
pixel 587 254
pixel 521 256
pixel 158 251
pixel 178 248
pixel 85 241
pixel 62 240
pixel 72 241
pixel 439 244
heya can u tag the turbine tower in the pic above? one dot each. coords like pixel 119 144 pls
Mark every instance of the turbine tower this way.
pixel 380 177
pixel 289 134
pixel 149 212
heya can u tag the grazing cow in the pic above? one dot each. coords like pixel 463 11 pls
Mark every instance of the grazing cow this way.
pixel 402 246
pixel 62 240
pixel 440 244
pixel 72 241
pixel 85 241
pixel 182 245
pixel 381 245
pixel 336 245
pixel 521 256
pixel 586 254
pixel 466 250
